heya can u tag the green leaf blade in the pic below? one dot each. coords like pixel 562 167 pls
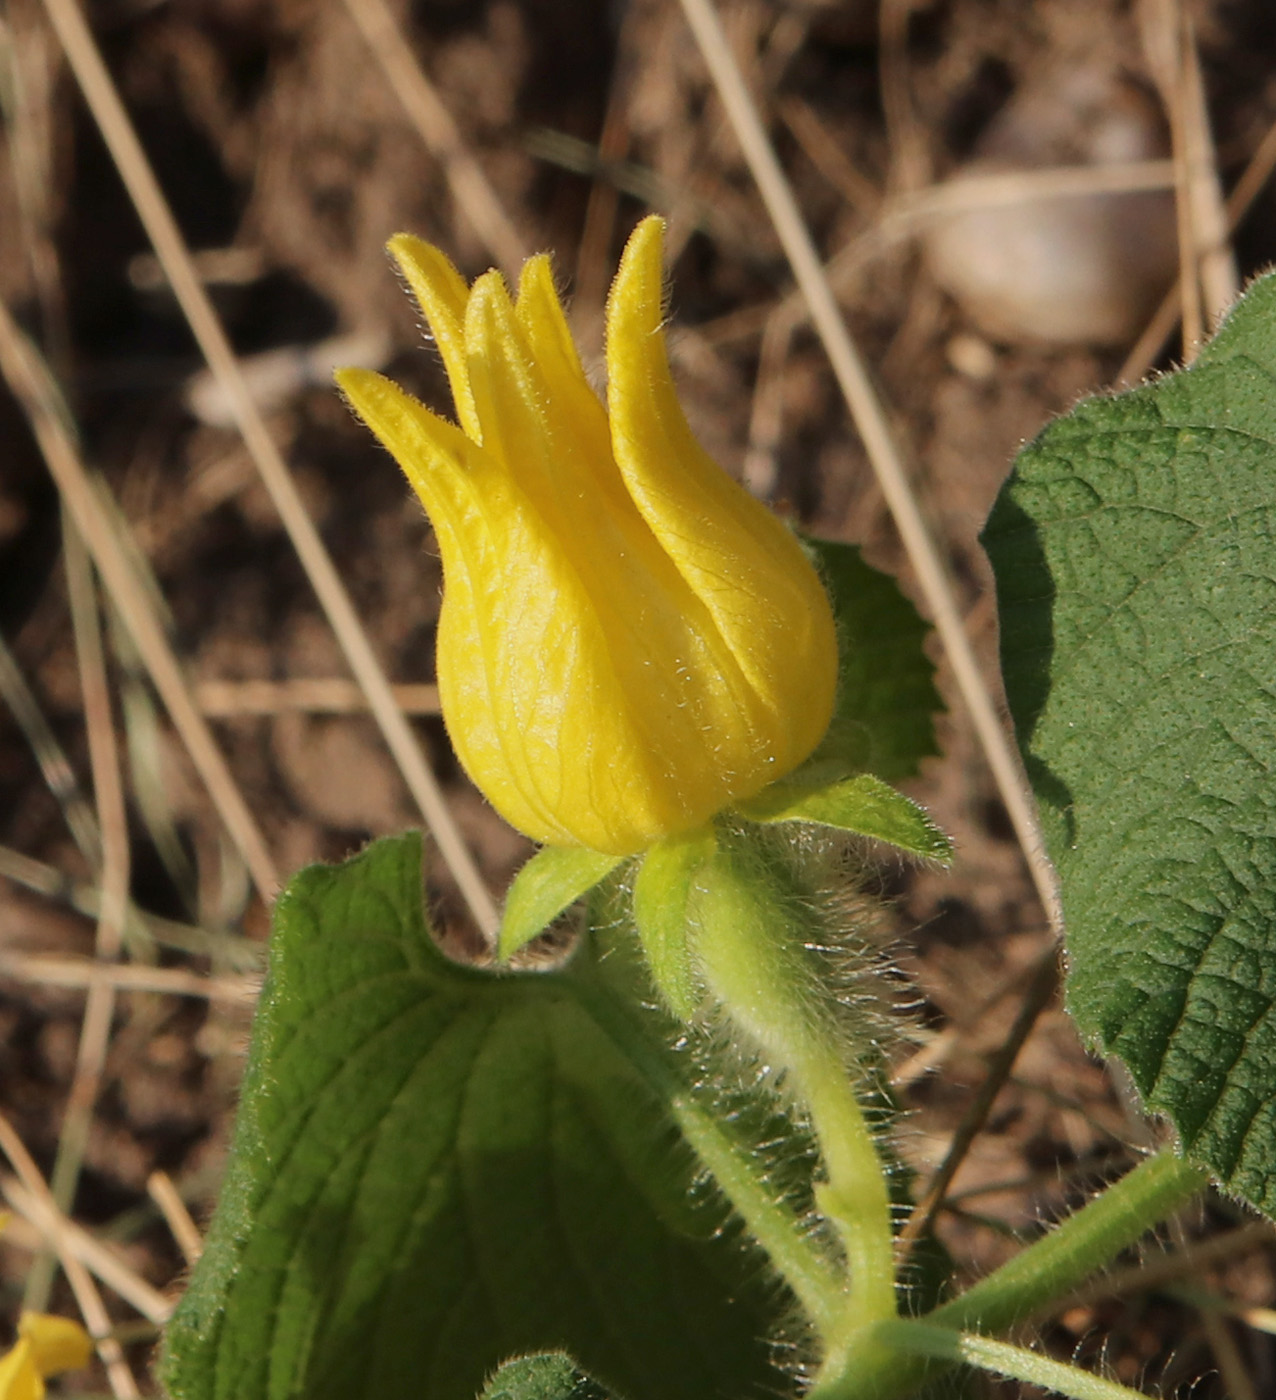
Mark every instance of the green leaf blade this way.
pixel 437 1168
pixel 1135 554
pixel 884 722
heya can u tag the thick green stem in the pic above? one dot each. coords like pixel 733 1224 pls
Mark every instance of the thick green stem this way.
pixel 1085 1243
pixel 817 1282
pixel 750 940
pixel 854 1196
pixel 1048 1270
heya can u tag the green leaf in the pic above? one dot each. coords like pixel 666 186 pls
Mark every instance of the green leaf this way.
pixel 553 880
pixel 662 888
pixel 865 805
pixel 1135 555
pixel 548 1377
pixel 886 696
pixel 437 1167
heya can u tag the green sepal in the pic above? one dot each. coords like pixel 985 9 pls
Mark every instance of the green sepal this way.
pixel 661 891
pixel 553 880
pixel 863 804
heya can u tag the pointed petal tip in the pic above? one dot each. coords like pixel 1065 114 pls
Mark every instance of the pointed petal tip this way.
pixel 410 248
pixel 411 254
pixel 361 386
pixel 538 266
pixel 489 310
pixel 490 288
pixel 536 283
pixel 380 403
pixel 637 293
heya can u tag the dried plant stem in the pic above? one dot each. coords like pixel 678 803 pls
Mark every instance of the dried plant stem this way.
pixel 228 949
pixel 160 1188
pixel 55 970
pixel 35 1207
pixel 1151 1273
pixel 910 161
pixel 1208 282
pixel 99 1008
pixel 1222 1344
pixel 1145 351
pixel 471 188
pixel 21 367
pixel 870 418
pixel 326 695
pixel 170 247
pixel 1040 990
pixel 55 767
pixel 42 1211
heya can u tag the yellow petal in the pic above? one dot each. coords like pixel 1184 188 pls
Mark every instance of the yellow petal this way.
pixel 577 425
pixel 19 1379
pixel 441 293
pixel 737 558
pixel 628 643
pixel 57 1343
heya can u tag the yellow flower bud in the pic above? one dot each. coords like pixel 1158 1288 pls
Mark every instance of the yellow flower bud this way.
pixel 628 641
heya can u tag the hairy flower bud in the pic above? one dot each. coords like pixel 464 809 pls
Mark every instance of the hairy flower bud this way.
pixel 628 642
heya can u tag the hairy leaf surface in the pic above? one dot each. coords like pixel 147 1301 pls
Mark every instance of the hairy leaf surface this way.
pixel 437 1168
pixel 1135 555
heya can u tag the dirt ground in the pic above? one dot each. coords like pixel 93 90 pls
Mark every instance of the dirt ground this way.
pixel 289 158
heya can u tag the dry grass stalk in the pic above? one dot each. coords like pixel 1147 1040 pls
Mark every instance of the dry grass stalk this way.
pixel 766 422
pixel 170 247
pixel 1147 349
pixel 149 929
pixel 1151 1273
pixel 871 420
pixel 471 188
pixel 34 1206
pixel 327 695
pixel 58 970
pixel 55 768
pixel 160 1188
pixel 32 1199
pixel 593 254
pixel 1041 989
pixel 1207 270
pixel 906 216
pixel 826 154
pixel 22 368
pixel 112 821
pixel 910 161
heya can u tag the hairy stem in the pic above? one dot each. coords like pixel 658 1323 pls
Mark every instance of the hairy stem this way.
pixel 815 1282
pixel 751 942
pixel 1049 1269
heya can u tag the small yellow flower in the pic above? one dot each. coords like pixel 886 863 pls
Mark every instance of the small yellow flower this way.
pixel 628 642
pixel 45 1347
